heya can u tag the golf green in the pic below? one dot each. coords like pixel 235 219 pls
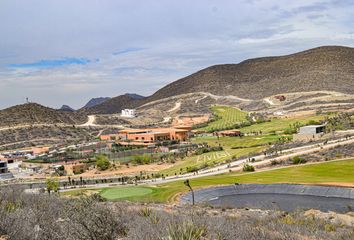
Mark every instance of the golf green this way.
pixel 124 192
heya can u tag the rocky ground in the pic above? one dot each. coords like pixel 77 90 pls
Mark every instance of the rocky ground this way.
pixel 27 216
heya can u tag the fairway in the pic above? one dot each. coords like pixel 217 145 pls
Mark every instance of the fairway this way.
pixel 124 192
pixel 233 147
pixel 280 124
pixel 332 172
pixel 321 173
pixel 227 118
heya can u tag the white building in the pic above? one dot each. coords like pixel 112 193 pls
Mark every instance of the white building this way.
pixel 130 113
pixel 310 133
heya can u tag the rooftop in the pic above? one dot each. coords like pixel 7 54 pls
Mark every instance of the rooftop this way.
pixel 313 126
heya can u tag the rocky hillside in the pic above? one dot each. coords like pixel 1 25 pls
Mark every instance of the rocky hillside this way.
pixel 66 108
pixel 114 105
pixel 95 101
pixel 324 68
pixel 32 113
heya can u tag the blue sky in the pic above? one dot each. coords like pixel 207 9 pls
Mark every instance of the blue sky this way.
pixel 66 52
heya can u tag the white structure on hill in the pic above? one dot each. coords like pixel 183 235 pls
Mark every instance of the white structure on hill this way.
pixel 4 171
pixel 130 113
pixel 310 133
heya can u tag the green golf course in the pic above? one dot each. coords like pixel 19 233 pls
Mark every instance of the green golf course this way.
pixel 339 171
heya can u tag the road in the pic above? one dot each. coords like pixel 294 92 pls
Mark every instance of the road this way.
pixel 90 121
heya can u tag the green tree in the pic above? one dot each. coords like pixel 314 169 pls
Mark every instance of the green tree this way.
pixel 102 162
pixel 52 185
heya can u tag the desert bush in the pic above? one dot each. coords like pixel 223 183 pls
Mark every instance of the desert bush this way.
pixel 248 168
pixel 43 216
pixel 142 159
pixel 298 160
pixel 102 162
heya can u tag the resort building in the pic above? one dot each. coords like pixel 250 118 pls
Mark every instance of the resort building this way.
pixel 129 113
pixel 153 135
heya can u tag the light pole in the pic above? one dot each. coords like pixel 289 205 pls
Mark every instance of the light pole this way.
pixel 188 185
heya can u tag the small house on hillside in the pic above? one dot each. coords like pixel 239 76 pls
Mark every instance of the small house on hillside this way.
pixel 129 113
pixel 310 133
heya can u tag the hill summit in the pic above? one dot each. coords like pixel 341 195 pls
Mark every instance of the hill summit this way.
pixel 32 113
pixel 324 68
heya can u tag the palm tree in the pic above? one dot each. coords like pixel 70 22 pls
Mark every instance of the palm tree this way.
pixel 190 187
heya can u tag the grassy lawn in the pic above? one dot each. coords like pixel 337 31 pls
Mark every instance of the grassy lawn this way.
pixel 326 172
pixel 229 142
pixel 124 192
pixel 280 124
pixel 210 158
pixel 243 147
pixel 228 117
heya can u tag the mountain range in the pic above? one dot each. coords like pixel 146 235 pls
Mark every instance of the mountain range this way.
pixel 328 68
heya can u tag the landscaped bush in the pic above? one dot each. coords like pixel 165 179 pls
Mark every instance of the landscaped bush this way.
pixel 298 160
pixel 274 162
pixel 102 162
pixel 248 168
pixel 208 149
pixel 142 159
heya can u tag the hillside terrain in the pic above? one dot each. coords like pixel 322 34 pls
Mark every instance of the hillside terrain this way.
pixel 113 105
pixel 32 113
pixel 325 68
pixel 95 101
pixel 67 108
pixel 316 79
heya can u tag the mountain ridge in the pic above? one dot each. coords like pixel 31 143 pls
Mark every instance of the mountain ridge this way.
pixel 256 78
pixel 33 113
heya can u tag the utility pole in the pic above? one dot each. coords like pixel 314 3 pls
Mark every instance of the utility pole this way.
pixel 188 185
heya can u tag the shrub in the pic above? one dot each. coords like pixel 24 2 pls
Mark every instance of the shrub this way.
pixel 298 160
pixel 186 231
pixel 274 162
pixel 248 168
pixel 290 131
pixel 142 159
pixel 102 162
pixel 313 122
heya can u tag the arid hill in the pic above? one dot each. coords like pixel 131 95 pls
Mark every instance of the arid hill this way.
pixel 114 105
pixel 95 101
pixel 324 68
pixel 32 113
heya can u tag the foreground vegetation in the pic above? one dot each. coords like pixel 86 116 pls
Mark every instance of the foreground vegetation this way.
pixel 42 216
pixel 326 172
